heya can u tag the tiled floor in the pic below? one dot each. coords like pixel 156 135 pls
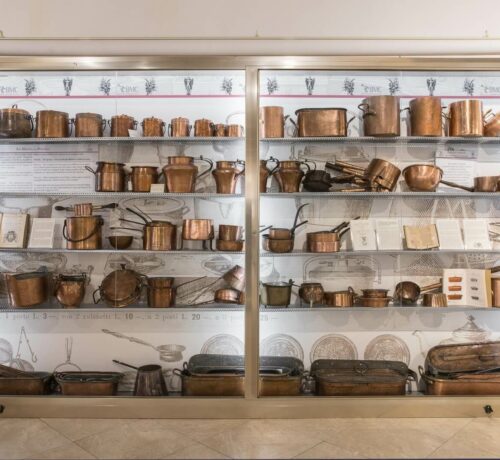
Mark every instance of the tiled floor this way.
pixel 214 439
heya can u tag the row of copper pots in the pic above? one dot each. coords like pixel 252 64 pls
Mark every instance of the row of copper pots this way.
pixel 181 174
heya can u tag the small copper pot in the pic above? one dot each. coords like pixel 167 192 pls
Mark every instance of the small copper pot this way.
pixel 83 232
pixel 278 246
pixel 70 289
pixel 466 118
pixel 179 127
pixel 374 293
pixel 340 299
pixel 142 177
pixel 492 124
pixel 234 131
pixel 120 124
pixel 153 127
pixel 219 130
pixel 229 295
pixel 230 232
pixel 197 229
pixel 434 299
pixel 15 123
pixel 51 123
pixel 426 116
pixel 374 302
pixel 161 293
pixel 381 116
pixel 272 122
pixel 311 293
pixel 89 125
pixel 203 128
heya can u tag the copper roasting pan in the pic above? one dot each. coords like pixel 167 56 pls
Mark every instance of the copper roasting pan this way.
pixel 344 377
pixel 88 383
pixel 224 375
pixel 38 383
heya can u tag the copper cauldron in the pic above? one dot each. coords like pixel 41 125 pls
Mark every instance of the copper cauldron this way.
pixel 381 115
pixel 203 128
pixel 465 118
pixel 181 174
pixel 109 177
pixel 153 127
pixel 142 177
pixel 120 124
pixel 289 175
pixel 83 232
pixel 426 116
pixel 51 123
pixel 179 127
pixel 89 125
pixel 159 235
pixel 226 175
pixel 69 290
pixel 15 123
pixel 272 122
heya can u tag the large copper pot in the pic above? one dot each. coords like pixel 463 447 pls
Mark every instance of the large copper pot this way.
pixel 120 125
pixel 109 177
pixel 197 229
pixel 179 127
pixel 15 123
pixel 153 127
pixel 272 122
pixel 142 177
pixel 381 116
pixel 203 128
pixel 181 174
pixel 226 175
pixel 289 175
pixel 322 122
pixel 27 289
pixel 69 290
pixel 466 118
pixel 426 117
pixel 51 123
pixel 83 232
pixel 89 125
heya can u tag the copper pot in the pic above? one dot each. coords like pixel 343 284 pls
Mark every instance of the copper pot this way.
pixel 226 175
pixel 120 241
pixel 465 118
pixel 181 174
pixel 434 299
pixel 426 117
pixel 83 232
pixel 120 124
pixel 230 246
pixel 322 122
pixel 109 177
pixel 153 127
pixel 142 177
pixel 326 241
pixel 408 292
pixel 278 246
pixel 160 282
pixel 27 289
pixel 70 289
pixel 272 122
pixel 311 293
pixel 289 175
pixel 89 125
pixel 51 123
pixel 278 294
pixel 495 287
pixel 159 235
pixel 15 123
pixel 197 229
pixel 203 128
pixel 120 288
pixel 491 124
pixel 264 173
pixel 235 277
pixel 161 293
pixel 374 302
pixel 219 130
pixel 179 127
pixel 381 115
pixel 230 232
pixel 228 295
pixel 234 131
pixel 374 293
pixel 340 299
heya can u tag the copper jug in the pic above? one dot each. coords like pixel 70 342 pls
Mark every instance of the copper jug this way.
pixel 83 232
pixel 380 115
pixel 466 118
pixel 219 130
pixel 226 175
pixel 289 175
pixel 265 172
pixel 51 123
pixel 203 128
pixel 272 122
pixel 181 174
pixel 109 177
pixel 153 127
pixel 142 177
pixel 89 125
pixel 120 124
pixel 69 290
pixel 426 116
pixel 179 127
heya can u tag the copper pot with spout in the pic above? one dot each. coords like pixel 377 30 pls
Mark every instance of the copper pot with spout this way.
pixel 289 175
pixel 203 128
pixel 465 118
pixel 109 177
pixel 426 116
pixel 272 122
pixel 51 123
pixel 181 174
pixel 69 290
pixel 120 124
pixel 226 175
pixel 153 127
pixel 89 125
pixel 381 116
pixel 265 172
pixel 142 177
pixel 179 127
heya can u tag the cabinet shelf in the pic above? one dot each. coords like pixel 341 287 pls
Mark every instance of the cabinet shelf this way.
pixel 122 140
pixel 117 251
pixel 390 309
pixel 118 195
pixel 385 252
pixel 382 195
pixel 56 309
pixel 403 140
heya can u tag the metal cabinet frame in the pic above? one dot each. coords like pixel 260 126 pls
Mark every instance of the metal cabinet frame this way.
pixel 251 406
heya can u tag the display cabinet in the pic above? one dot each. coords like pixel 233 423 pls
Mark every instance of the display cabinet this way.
pixel 267 318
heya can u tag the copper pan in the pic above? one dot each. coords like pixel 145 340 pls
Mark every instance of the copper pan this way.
pixel 69 290
pixel 408 292
pixel 27 289
pixel 374 293
pixel 15 123
pixel 492 125
pixel 340 299
pixel 374 302
pixel 234 131
pixel 120 288
pixel 230 246
pixel 142 177
pixel 235 277
pixel 277 246
pixel 285 233
pixel 229 295
pixel 109 177
pixel 83 232
pixel 160 235
pixel 219 130
pixel 326 241
pixel 426 116
pixel 230 232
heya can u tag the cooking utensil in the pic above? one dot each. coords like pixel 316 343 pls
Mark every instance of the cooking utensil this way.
pixel 289 175
pixel 15 123
pixel 380 115
pixel 219 130
pixel 89 125
pixel 277 245
pixel 311 293
pixel 69 290
pixel 85 209
pixel 16 382
pixel 465 118
pixel 230 246
pixel 340 299
pixel 51 123
pixel 229 295
pixel 426 116
pixel 149 380
pixel 374 293
pixel 272 122
pixel 408 292
pixel 317 181
pixel 491 124
pixel 203 128
pixel 27 289
pixel 230 232
pixel 109 177
pixel 235 277
pixel 120 125
pixel 83 232
pixel 434 299
pixel 120 242
pixel 120 288
pixel 142 177
pixel 374 302
pixel 88 383
pixel 181 173
pixel 153 127
pixel 264 173
pixel 234 131
pixel 322 122
pixel 179 127
pixel 198 230
pixel 161 291
pixel 327 241
pixel 157 235
pixel 278 294
pixel 285 233
pixel 226 175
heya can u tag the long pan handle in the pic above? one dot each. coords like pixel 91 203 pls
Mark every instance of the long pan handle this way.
pixel 130 339
pixel 125 364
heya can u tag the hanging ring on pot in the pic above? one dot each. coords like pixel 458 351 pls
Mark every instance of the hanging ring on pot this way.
pixel 98 224
pixel 294 123
pixel 366 111
pixel 210 163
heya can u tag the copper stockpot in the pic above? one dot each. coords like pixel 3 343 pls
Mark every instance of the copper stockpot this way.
pixel 220 130
pixel 226 175
pixel 120 124
pixel 203 128
pixel 272 122
pixel 381 116
pixel 278 246
pixel 465 118
pixel 120 288
pixel 69 290
pixel 159 235
pixel 179 127
pixel 311 293
pixel 340 299
pixel 229 295
pixel 142 177
pixel 495 287
pixel 197 229
pixel 264 173
pixel 83 232
pixel 89 125
pixel 27 289
pixel 15 123
pixel 51 123
pixel 230 246
pixel 289 175
pixel 230 232
pixel 109 177
pixel 153 127
pixel 426 117
pixel 434 299
pixel 181 174
pixel 322 122
pixel 374 302
pixel 492 124
pixel 161 292
pixel 234 131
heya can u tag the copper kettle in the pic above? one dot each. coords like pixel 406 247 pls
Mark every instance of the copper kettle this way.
pixel 181 174
pixel 226 175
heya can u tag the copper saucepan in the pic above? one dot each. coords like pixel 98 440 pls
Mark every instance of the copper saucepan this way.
pixel 408 292
pixel 465 118
pixel 426 116
pixel 340 299
pixel 229 295
pixel 380 116
pixel 272 122
pixel 285 233
pixel 434 299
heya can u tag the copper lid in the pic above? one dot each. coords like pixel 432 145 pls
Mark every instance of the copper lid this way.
pixel 14 110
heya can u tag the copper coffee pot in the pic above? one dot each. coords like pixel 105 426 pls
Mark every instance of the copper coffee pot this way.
pixel 272 122
pixel 226 175
pixel 203 128
pixel 181 174
pixel 142 177
pixel 179 127
pixel 426 116
pixel 264 173
pixel 289 175
pixel 51 123
pixel 89 125
pixel 153 127
pixel 120 124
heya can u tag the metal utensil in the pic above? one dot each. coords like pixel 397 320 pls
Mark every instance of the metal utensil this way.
pixel 149 380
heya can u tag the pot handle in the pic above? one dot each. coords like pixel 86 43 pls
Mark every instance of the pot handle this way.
pixel 488 115
pixel 99 223
pixel 350 121
pixel 104 123
pixel 366 111
pixel 169 130
pixel 306 161
pixel 71 122
pixel 294 123
pixel 452 184
pixel 274 160
pixel 88 168
pixel 96 301
pixel 32 123
pixel 210 163
pixel 242 171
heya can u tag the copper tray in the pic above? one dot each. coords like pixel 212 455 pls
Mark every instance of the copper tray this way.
pixel 88 383
pixel 462 385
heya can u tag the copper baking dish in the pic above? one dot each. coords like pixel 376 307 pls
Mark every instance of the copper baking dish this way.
pixel 16 382
pixel 322 122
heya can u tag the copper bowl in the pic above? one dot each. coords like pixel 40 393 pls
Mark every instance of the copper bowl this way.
pixel 120 241
pixel 235 246
pixel 375 293
pixel 374 302
pixel 422 178
pixel 278 246
pixel 229 295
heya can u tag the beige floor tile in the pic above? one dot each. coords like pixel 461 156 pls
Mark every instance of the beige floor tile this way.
pixel 68 451
pixel 78 428
pixel 197 451
pixel 20 438
pixel 132 441
pixel 326 451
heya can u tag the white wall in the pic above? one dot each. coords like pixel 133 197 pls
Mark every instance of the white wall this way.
pixel 276 19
